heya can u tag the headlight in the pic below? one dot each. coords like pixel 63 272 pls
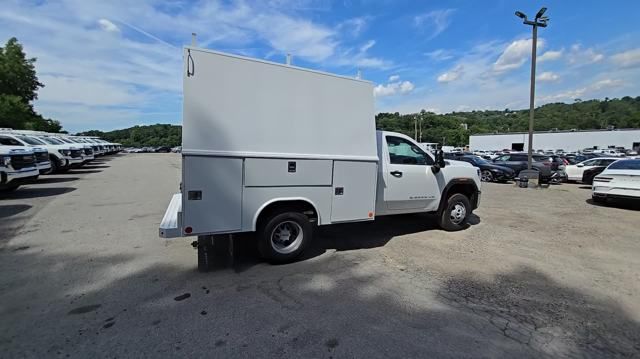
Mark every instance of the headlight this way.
pixel 65 152
pixel 5 161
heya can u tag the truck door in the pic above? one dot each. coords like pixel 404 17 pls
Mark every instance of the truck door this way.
pixel 409 182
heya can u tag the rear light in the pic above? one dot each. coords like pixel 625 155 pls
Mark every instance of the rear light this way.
pixel 602 179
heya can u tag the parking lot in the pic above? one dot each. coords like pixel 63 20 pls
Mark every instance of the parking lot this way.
pixel 541 272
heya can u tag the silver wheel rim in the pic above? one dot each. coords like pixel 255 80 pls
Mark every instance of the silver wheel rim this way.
pixel 286 237
pixel 458 213
pixel 486 176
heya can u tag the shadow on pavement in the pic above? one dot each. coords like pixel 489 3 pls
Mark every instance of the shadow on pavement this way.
pixel 82 171
pixel 12 209
pixel 628 204
pixel 33 192
pixel 331 306
pixel 45 180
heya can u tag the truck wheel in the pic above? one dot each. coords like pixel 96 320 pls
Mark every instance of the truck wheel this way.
pixel 54 165
pixel 205 253
pixel 455 212
pixel 283 237
pixel 486 176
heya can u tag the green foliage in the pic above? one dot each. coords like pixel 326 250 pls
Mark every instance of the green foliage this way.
pixel 450 128
pixel 140 136
pixel 18 88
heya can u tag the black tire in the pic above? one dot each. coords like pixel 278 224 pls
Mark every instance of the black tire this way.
pixel 599 200
pixel 54 164
pixel 486 176
pixel 277 250
pixel 455 222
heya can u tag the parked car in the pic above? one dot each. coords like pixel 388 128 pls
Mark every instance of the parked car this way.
pixel 18 165
pixel 589 174
pixel 489 171
pixel 518 162
pixel 42 154
pixel 575 172
pixel 162 149
pixel 620 180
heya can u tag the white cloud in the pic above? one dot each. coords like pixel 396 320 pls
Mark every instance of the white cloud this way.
pixel 108 26
pixel 547 76
pixel 589 90
pixel 550 56
pixel 393 87
pixel 452 75
pixel 515 55
pixel 122 77
pixel 440 55
pixel 435 21
pixel 630 58
pixel 579 56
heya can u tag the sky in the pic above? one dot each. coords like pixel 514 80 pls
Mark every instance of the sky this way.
pixel 114 64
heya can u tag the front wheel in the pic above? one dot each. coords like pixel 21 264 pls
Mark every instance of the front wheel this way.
pixel 455 213
pixel 486 176
pixel 9 188
pixel 283 237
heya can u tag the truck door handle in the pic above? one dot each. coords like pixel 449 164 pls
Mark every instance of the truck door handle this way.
pixel 396 174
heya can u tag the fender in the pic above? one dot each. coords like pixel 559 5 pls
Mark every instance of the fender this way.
pixel 282 199
pixel 459 181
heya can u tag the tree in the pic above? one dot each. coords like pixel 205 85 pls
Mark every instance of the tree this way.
pixel 17 73
pixel 19 86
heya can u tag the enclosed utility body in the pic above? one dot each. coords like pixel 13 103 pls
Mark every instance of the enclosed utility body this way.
pixel 276 149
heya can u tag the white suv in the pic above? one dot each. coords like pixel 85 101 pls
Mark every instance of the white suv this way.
pixel 17 167
pixel 42 154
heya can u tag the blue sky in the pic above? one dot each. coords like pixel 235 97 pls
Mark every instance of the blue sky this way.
pixel 114 64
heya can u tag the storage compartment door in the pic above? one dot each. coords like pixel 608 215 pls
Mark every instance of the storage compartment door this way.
pixel 354 191
pixel 212 194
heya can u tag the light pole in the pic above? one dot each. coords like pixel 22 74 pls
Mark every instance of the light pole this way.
pixel 540 21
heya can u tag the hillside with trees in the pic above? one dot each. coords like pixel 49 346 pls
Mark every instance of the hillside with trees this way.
pixel 142 136
pixel 18 89
pixel 454 128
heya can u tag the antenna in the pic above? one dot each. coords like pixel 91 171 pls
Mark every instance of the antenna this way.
pixel 193 39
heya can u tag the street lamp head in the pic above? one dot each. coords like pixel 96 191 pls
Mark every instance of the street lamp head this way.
pixel 540 13
pixel 521 15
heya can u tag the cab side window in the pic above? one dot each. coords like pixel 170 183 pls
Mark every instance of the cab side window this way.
pixel 403 152
pixel 503 158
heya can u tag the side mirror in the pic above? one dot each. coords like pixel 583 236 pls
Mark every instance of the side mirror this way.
pixel 440 163
pixel 580 165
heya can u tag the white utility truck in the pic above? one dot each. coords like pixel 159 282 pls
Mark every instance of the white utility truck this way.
pixel 277 149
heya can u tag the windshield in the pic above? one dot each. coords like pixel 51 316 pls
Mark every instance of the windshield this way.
pixel 479 160
pixel 63 139
pixel 29 140
pixel 625 165
pixel 51 140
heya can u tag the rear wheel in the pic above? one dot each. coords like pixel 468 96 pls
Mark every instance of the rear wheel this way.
pixel 282 237
pixel 486 176
pixel 455 213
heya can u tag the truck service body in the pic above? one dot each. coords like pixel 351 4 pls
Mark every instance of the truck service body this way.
pixel 278 149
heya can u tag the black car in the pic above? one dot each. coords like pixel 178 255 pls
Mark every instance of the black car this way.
pixel 518 162
pixel 163 149
pixel 591 173
pixel 489 172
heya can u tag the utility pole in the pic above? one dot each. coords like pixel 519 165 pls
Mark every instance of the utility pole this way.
pixel 540 21
pixel 415 128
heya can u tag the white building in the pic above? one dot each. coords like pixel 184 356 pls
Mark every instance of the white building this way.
pixel 553 140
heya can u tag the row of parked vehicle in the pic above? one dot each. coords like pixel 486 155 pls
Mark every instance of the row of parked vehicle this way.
pixel 160 149
pixel 580 167
pixel 25 155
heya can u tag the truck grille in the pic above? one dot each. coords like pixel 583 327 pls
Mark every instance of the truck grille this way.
pixel 88 151
pixel 76 153
pixel 42 156
pixel 19 162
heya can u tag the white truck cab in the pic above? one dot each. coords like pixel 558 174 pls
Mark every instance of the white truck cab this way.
pixel 18 166
pixel 277 150
pixel 41 153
